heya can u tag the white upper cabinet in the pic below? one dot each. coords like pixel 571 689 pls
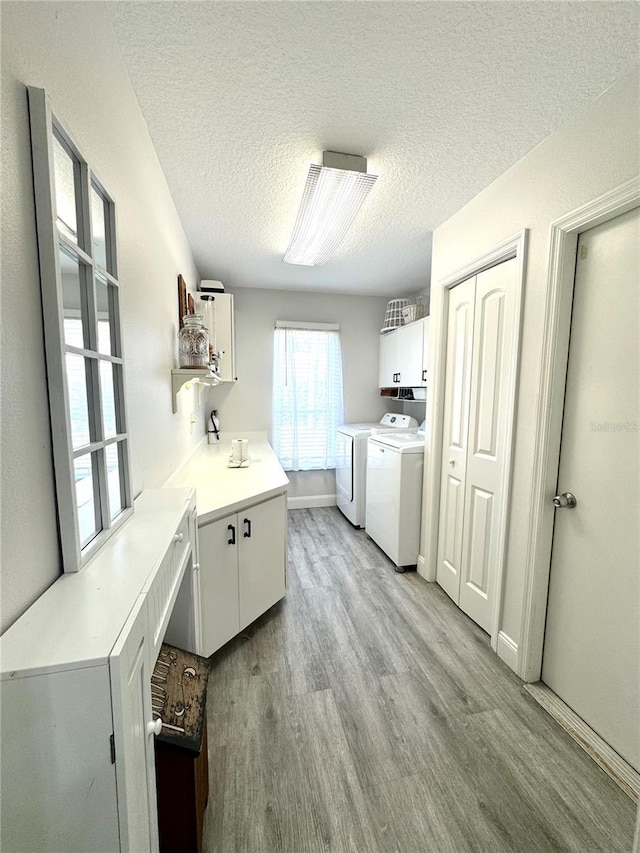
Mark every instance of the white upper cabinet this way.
pixel 224 336
pixel 403 356
pixel 388 360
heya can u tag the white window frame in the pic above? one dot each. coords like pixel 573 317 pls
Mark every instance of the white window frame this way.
pixel 301 326
pixel 51 241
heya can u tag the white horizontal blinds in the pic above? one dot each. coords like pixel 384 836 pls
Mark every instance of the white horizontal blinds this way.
pixel 307 395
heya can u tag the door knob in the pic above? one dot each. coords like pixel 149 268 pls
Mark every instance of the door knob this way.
pixel 155 727
pixel 452 462
pixel 565 500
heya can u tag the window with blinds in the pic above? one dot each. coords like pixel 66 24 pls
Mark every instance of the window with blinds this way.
pixel 307 395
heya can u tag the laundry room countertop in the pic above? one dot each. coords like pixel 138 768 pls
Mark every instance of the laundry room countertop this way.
pixel 222 490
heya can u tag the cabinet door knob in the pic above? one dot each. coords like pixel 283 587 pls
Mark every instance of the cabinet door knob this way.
pixel 247 533
pixel 196 567
pixel 178 537
pixel 155 727
pixel 232 531
pixel 452 462
pixel 424 375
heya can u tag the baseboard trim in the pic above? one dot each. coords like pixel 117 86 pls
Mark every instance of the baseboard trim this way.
pixel 605 757
pixel 306 501
pixel 421 568
pixel 507 650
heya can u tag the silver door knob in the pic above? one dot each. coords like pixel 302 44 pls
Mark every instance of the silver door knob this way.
pixel 565 500
pixel 452 462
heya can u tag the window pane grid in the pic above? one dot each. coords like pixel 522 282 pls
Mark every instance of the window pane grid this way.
pixel 81 309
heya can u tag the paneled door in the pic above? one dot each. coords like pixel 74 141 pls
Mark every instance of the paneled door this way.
pixel 455 435
pixel 478 410
pixel 591 657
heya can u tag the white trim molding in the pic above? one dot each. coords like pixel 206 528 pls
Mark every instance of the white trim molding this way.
pixel 553 370
pixel 307 501
pixel 421 568
pixel 507 650
pixel 514 246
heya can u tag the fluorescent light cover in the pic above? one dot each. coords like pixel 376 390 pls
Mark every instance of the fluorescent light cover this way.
pixel 330 202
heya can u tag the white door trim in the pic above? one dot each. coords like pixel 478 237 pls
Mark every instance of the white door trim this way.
pixel 553 371
pixel 512 247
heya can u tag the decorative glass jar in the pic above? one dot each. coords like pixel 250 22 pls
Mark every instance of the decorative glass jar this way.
pixel 193 342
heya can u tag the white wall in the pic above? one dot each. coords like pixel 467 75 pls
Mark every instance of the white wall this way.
pixel 593 152
pixel 70 51
pixel 247 404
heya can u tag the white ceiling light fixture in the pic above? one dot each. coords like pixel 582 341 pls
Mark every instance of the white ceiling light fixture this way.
pixel 333 195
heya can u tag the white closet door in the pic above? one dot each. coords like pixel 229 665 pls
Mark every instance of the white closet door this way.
pixel 487 452
pixel 454 440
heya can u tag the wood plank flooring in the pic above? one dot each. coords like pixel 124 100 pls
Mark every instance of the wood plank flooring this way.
pixel 366 714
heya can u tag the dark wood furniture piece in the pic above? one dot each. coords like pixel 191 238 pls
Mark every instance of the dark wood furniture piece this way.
pixel 179 690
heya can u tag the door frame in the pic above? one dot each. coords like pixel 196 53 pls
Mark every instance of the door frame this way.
pixel 514 246
pixel 563 246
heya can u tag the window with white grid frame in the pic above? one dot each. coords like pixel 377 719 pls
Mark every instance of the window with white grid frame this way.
pixel 307 395
pixel 83 341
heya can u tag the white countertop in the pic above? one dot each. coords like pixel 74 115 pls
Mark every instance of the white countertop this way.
pixel 222 490
pixel 76 621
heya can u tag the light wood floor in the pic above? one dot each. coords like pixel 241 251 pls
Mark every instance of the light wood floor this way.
pixel 366 713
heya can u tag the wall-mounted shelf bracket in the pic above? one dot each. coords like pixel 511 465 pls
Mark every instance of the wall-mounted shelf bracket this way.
pixel 185 377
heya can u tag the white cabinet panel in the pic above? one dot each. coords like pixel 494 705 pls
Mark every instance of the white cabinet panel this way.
pixel 261 558
pixel 76 670
pixel 388 360
pixel 224 336
pixel 242 569
pixel 58 784
pixel 410 350
pixel 219 582
pixel 130 666
pixel 403 356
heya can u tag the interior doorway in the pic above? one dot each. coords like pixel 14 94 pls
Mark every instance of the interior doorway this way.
pixel 591 655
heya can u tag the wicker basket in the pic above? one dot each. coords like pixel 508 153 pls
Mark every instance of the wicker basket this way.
pixel 393 315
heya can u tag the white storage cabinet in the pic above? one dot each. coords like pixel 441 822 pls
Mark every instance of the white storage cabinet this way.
pixel 243 568
pixel 403 356
pixel 78 771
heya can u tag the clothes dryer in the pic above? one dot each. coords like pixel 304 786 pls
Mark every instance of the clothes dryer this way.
pixel 351 466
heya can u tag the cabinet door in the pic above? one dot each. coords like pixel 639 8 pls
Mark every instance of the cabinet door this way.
pixel 195 581
pixel 388 360
pixel 425 352
pixel 219 582
pixel 409 355
pixel 224 335
pixel 262 560
pixel 130 669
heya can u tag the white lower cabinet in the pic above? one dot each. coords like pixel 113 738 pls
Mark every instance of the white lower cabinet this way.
pixel 242 569
pixel 130 666
pixel 76 725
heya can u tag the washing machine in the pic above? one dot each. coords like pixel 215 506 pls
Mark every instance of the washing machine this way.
pixel 351 463
pixel 395 465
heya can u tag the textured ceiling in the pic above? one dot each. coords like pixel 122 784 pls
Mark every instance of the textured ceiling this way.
pixel 441 97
